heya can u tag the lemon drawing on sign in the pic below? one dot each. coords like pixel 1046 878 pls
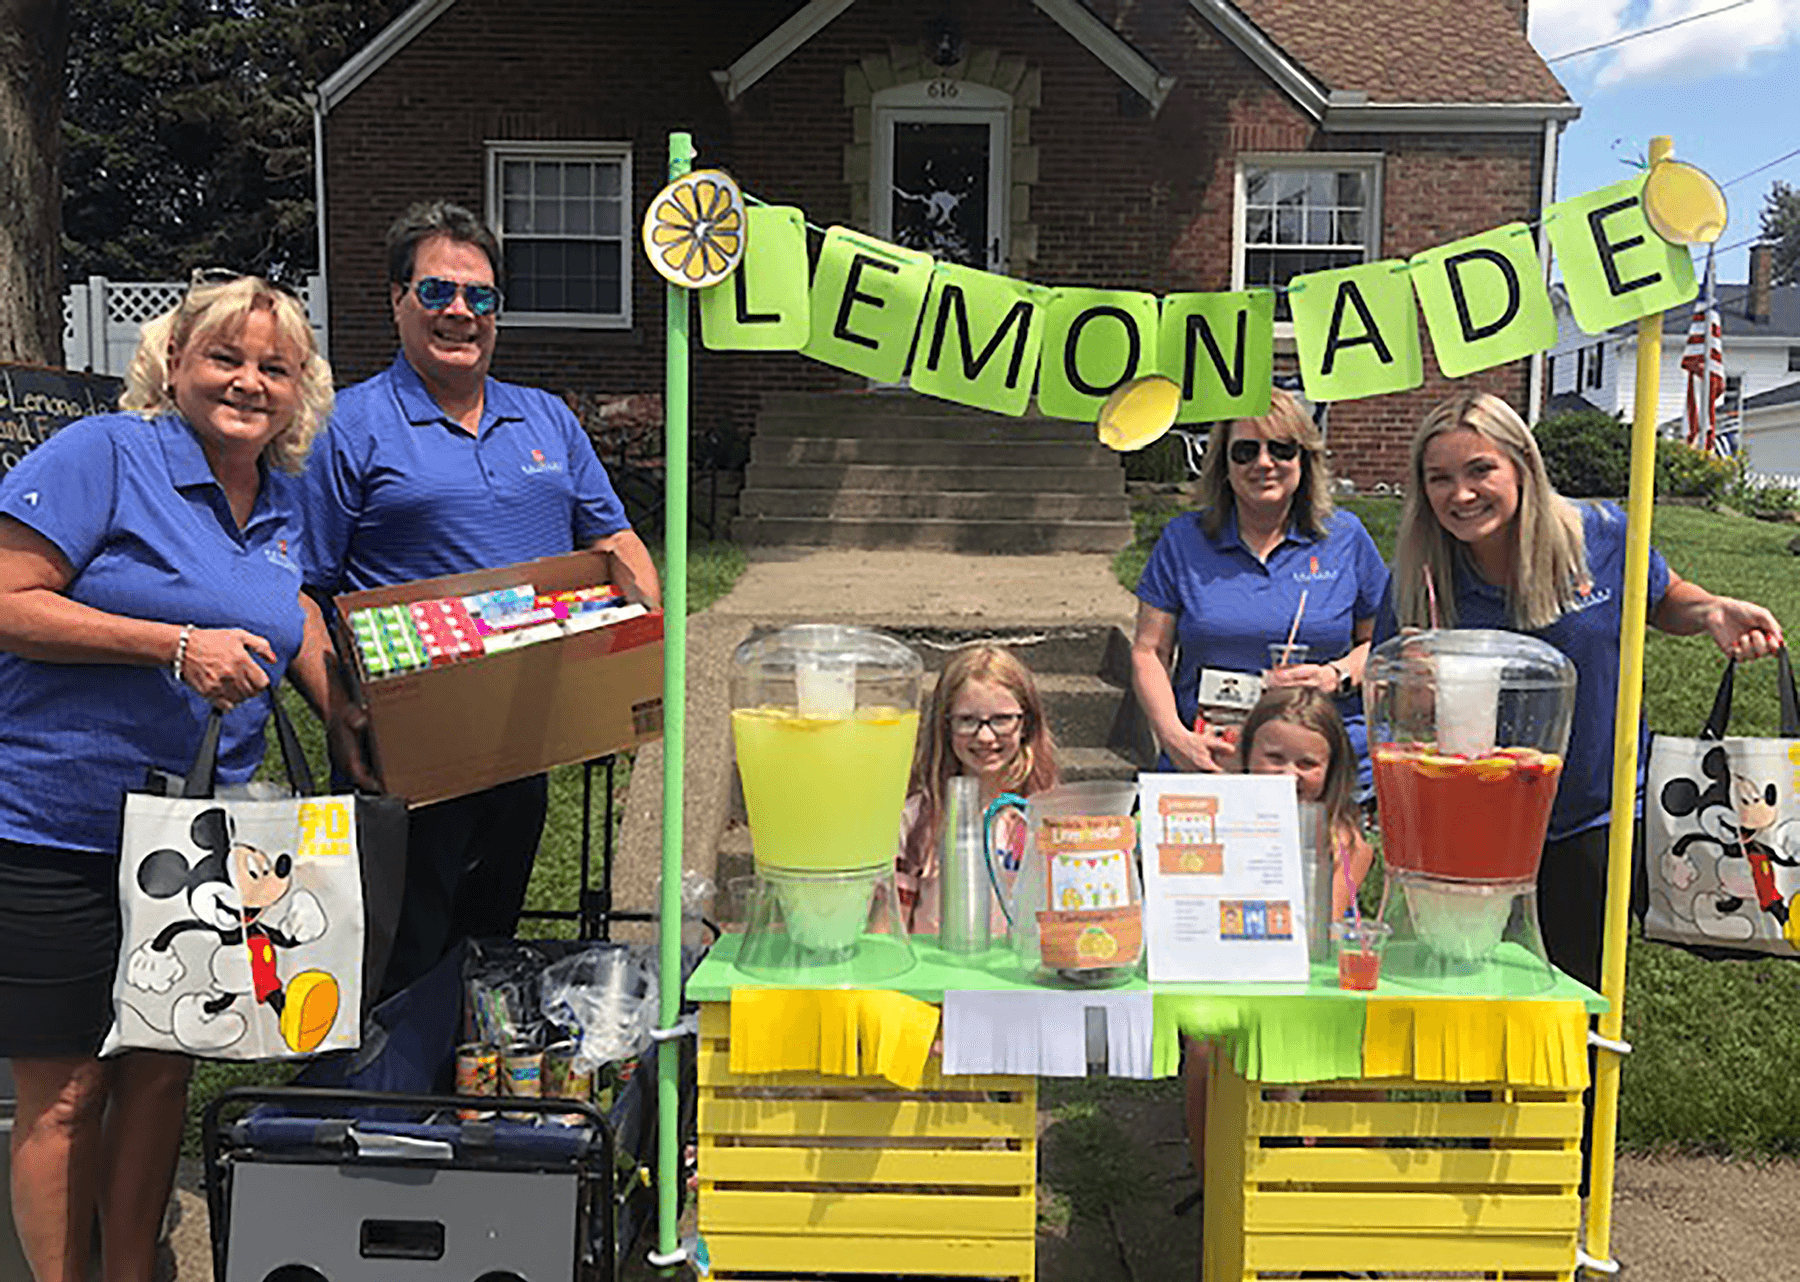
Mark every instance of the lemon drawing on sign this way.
pixel 694 229
pixel 1683 203
pixel 1096 944
pixel 1139 412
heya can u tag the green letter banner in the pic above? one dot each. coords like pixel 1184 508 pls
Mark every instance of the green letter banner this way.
pixel 1357 331
pixel 763 306
pixel 1220 350
pixel 1484 300
pixel 979 343
pixel 1615 267
pixel 1094 341
pixel 866 296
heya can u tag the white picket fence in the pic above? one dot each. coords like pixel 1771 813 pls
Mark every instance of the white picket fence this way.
pixel 101 319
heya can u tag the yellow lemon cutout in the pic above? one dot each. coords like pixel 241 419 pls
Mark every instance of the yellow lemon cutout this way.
pixel 1139 412
pixel 1684 204
pixel 694 229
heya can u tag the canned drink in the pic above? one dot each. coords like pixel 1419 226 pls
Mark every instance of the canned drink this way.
pixel 477 1073
pixel 522 1077
pixel 562 1080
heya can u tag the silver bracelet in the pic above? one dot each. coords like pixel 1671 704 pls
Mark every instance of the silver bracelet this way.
pixel 181 645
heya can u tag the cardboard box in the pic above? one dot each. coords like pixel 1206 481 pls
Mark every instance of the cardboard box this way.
pixel 461 727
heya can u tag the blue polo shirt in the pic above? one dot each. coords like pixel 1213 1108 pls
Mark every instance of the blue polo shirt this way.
pixel 136 510
pixel 1229 606
pixel 1589 635
pixel 395 491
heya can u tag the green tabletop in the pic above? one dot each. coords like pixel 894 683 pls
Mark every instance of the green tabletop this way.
pixel 1407 974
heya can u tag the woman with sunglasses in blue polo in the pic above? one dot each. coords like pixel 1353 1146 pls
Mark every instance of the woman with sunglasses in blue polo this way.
pixel 1225 582
pixel 434 467
pixel 145 579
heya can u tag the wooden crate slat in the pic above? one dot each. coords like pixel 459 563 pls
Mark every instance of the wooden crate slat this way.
pixel 1408 1252
pixel 734 1253
pixel 867 1214
pixel 714 1065
pixel 786 1164
pixel 869 1119
pixel 1376 1167
pixel 1288 1211
pixel 1416 1120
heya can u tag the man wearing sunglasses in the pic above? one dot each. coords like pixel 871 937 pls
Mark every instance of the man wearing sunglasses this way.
pixel 433 467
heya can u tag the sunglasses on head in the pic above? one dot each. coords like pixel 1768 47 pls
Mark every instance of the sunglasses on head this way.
pixel 1247 449
pixel 435 294
pixel 201 277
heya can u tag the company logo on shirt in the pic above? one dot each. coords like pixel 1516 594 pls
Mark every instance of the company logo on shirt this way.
pixel 1313 574
pixel 1587 596
pixel 540 464
pixel 276 553
pixel 31 497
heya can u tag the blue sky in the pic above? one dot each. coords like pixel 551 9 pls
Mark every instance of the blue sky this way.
pixel 1726 88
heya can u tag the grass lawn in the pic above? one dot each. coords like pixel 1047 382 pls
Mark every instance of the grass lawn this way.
pixel 1715 1042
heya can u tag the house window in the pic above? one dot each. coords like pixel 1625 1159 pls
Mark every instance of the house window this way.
pixel 1303 213
pixel 1794 360
pixel 562 213
pixel 1595 362
pixel 1731 405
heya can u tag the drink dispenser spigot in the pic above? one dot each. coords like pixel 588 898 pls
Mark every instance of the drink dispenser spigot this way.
pixel 1467 730
pixel 824 718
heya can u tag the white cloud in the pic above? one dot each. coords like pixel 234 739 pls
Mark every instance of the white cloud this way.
pixel 1720 43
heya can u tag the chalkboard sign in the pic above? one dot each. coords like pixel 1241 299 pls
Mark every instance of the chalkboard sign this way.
pixel 35 401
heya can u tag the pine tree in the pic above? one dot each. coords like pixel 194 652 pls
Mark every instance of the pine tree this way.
pixel 1781 228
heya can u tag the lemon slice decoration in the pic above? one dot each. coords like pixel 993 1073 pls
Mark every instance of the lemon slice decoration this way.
pixel 1139 412
pixel 1684 204
pixel 694 229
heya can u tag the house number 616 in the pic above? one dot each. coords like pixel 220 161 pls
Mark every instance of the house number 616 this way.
pixel 941 89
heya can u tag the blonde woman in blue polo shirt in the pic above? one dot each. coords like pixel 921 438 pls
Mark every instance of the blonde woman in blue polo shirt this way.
pixel 145 578
pixel 1225 581
pixel 1507 551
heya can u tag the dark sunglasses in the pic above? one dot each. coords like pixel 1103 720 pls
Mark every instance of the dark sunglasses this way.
pixel 435 294
pixel 204 276
pixel 1247 449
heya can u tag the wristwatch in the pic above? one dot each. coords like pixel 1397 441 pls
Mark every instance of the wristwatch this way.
pixel 1346 686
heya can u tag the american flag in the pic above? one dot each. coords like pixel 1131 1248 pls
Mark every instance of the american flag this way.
pixel 1704 360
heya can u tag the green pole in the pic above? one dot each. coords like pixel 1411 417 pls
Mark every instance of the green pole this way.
pixel 675 538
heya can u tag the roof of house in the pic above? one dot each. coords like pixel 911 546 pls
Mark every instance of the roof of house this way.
pixel 1783 320
pixel 1786 394
pixel 1572 403
pixel 1411 51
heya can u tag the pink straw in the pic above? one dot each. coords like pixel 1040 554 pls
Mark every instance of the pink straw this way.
pixel 1344 867
pixel 1431 597
pixel 1287 648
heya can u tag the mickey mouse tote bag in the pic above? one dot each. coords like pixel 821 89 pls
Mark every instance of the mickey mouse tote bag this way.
pixel 1722 834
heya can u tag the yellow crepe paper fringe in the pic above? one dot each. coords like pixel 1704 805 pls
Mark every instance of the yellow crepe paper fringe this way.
pixel 844 1033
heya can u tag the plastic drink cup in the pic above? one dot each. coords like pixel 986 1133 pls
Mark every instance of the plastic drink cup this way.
pixel 1359 946
pixel 1284 655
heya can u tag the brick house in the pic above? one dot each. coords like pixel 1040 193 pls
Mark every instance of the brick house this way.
pixel 1159 145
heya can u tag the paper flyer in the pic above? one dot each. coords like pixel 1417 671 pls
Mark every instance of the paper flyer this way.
pixel 1223 896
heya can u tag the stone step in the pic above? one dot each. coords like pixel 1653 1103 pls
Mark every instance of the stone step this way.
pixel 923 427
pixel 865 404
pixel 1100 649
pixel 1069 455
pixel 1082 709
pixel 936 477
pixel 1017 538
pixel 1079 764
pixel 993 505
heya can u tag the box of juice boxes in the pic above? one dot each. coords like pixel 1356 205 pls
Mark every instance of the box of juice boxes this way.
pixel 473 680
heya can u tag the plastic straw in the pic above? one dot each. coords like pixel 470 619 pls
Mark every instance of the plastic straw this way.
pixel 1287 647
pixel 1344 867
pixel 1431 597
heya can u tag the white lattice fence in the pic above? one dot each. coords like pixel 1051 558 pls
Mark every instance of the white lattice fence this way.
pixel 101 319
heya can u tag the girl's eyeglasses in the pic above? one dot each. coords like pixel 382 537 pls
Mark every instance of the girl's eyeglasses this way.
pixel 435 294
pixel 1247 449
pixel 1002 724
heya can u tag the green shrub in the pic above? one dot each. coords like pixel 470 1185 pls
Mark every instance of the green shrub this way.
pixel 1685 472
pixel 1754 496
pixel 1163 460
pixel 1587 453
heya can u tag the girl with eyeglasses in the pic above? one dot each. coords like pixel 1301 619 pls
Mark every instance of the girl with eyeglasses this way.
pixel 984 718
pixel 1225 581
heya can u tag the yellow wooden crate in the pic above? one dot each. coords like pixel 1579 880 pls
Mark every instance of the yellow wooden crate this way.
pixel 805 1174
pixel 1413 1180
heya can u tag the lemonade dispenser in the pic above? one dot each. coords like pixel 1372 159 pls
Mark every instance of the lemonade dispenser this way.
pixel 823 719
pixel 1467 730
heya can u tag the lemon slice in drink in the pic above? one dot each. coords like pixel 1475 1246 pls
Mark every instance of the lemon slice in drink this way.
pixel 694 229
pixel 1684 204
pixel 1139 412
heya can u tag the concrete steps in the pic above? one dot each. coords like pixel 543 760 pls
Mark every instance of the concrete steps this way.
pixel 892 469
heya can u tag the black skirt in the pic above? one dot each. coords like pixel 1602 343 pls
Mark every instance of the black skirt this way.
pixel 59 948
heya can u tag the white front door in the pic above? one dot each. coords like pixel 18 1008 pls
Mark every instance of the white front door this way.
pixel 940 181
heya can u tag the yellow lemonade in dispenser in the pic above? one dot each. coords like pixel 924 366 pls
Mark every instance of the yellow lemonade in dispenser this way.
pixel 824 793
